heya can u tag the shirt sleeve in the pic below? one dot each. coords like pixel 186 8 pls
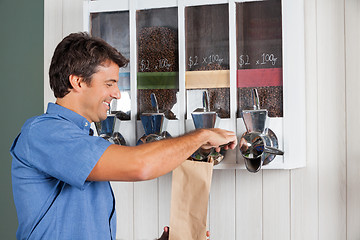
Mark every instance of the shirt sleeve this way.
pixel 64 151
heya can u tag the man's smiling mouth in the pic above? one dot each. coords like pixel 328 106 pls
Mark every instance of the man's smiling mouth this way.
pixel 107 104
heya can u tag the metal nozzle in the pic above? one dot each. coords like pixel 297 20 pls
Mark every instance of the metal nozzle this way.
pixel 206 103
pixel 256 101
pixel 154 102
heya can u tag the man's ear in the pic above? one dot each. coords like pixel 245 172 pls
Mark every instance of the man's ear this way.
pixel 75 82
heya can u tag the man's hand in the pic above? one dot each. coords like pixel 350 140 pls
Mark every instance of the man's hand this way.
pixel 217 137
pixel 165 235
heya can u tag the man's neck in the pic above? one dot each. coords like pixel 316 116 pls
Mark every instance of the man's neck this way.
pixel 71 103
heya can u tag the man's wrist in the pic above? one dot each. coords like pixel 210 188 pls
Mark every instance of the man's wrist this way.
pixel 202 136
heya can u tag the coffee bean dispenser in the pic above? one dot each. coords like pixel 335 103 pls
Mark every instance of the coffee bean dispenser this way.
pixel 200 64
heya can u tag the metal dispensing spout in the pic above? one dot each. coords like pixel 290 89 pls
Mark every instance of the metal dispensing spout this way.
pixel 259 144
pixel 105 129
pixel 205 118
pixel 154 124
pixel 255 120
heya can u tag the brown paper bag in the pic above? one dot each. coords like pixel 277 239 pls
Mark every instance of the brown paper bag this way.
pixel 189 200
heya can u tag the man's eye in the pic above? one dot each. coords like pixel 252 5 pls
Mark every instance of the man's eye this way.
pixel 109 84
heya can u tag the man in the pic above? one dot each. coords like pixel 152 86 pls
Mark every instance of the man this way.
pixel 60 172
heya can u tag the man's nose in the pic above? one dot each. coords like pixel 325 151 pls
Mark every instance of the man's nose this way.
pixel 116 93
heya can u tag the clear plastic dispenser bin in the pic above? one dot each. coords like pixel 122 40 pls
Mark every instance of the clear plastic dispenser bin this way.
pixel 259 55
pixel 157 60
pixel 113 27
pixel 207 57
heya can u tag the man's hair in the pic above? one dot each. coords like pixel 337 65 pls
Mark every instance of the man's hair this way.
pixel 80 54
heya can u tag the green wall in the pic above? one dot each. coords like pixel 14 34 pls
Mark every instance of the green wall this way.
pixel 21 77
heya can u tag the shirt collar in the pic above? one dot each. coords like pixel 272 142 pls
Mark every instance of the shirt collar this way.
pixel 68 114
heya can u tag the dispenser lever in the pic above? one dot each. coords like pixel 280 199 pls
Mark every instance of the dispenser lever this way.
pixel 273 150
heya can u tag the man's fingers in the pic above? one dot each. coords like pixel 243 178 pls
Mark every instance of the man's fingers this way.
pixel 232 145
pixel 217 141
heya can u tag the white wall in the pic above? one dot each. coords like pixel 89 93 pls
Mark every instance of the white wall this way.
pixel 320 201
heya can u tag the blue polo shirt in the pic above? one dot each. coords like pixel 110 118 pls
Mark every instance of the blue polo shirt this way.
pixel 52 158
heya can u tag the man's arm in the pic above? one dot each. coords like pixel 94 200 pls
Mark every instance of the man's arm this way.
pixel 152 160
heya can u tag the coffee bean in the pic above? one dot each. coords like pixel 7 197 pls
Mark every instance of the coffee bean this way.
pixel 158 50
pixel 271 98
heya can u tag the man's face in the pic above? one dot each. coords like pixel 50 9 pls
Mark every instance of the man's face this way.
pixel 98 95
